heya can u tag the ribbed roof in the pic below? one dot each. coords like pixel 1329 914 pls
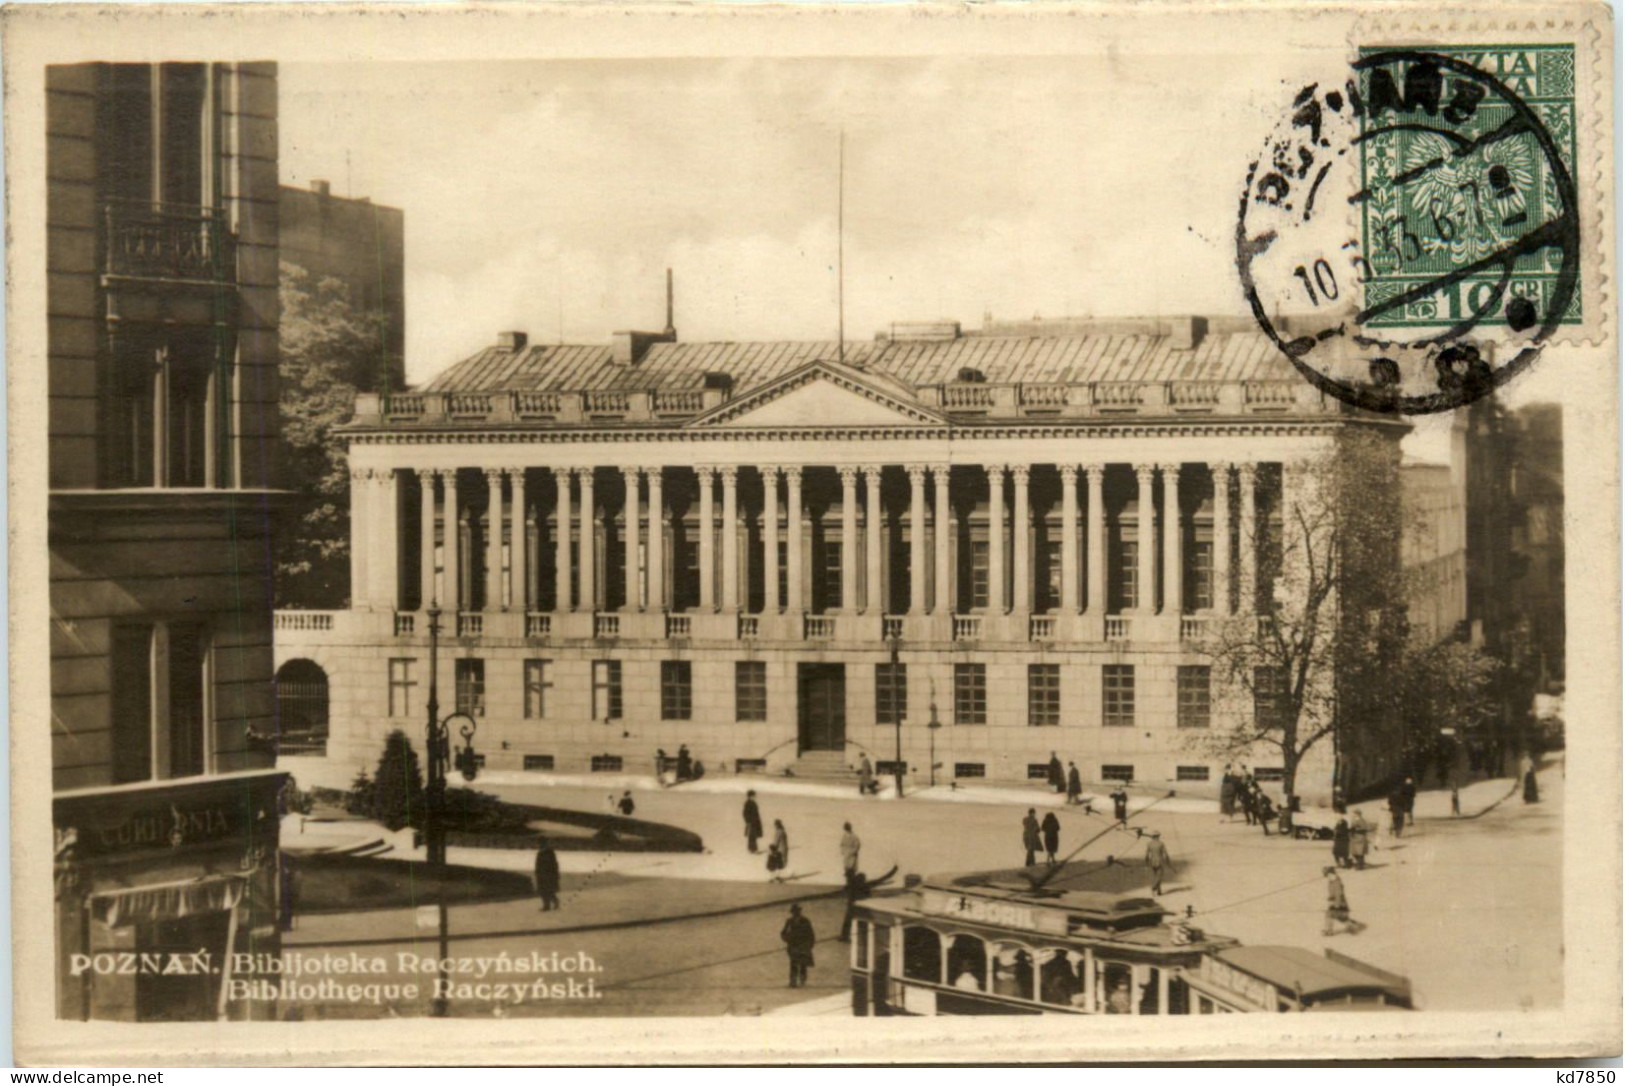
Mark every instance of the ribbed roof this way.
pixel 1079 359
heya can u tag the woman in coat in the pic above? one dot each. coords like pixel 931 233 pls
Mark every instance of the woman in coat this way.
pixel 1341 840
pixel 1052 835
pixel 778 853
pixel 547 874
pixel 1029 836
pixel 1359 838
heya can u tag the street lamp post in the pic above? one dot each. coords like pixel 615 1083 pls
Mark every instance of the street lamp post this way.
pixel 439 757
pixel 931 727
pixel 896 717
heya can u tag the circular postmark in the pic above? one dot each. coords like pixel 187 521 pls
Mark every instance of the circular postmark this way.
pixel 1419 222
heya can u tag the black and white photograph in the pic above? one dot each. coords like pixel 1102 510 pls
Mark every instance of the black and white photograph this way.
pixel 818 516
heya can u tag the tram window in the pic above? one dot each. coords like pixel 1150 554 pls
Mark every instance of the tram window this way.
pixel 860 946
pixel 967 963
pixel 1059 981
pixel 1148 994
pixel 1115 980
pixel 1179 996
pixel 922 955
pixel 1012 972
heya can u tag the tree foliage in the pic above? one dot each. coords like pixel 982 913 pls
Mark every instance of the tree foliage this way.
pixel 397 787
pixel 330 350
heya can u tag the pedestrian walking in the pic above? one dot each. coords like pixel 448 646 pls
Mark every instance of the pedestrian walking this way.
pixel 1120 804
pixel 1074 784
pixel 1360 832
pixel 1029 836
pixel 685 764
pixel 1455 800
pixel 1396 811
pixel 1531 787
pixel 850 845
pixel 866 777
pixel 1249 802
pixel 547 874
pixel 753 821
pixel 1264 810
pixel 1052 836
pixel 799 939
pixel 1227 795
pixel 626 805
pixel 778 853
pixel 1341 842
pixel 1057 780
pixel 1337 906
pixel 1156 858
pixel 1408 789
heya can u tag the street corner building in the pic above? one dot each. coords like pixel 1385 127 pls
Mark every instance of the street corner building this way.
pixel 162 261
pixel 966 548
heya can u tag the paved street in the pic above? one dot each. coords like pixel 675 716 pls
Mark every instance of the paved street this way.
pixel 1463 907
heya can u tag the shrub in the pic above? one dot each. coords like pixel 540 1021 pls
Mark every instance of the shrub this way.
pixel 397 798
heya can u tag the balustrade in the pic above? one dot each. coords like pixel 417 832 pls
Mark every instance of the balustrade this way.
pixel 1119 627
pixel 168 241
pixel 1047 395
pixel 750 627
pixel 405 623
pixel 679 626
pixel 468 405
pixel 967 627
pixel 891 627
pixel 606 626
pixel 538 624
pixel 405 407
pixel 303 620
pixel 470 624
pixel 819 628
pixel 606 403
pixel 1041 628
pixel 536 405
pixel 678 403
pixel 1193 628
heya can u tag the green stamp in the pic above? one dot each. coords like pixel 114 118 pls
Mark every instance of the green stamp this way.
pixel 1466 187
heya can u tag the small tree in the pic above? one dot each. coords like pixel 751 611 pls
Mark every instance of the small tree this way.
pixel 358 800
pixel 397 798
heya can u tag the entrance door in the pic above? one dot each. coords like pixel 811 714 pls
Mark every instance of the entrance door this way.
pixel 822 709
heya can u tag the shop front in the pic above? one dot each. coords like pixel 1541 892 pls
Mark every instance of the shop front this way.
pixel 159 887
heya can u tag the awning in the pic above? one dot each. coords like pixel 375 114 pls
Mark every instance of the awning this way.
pixel 168 901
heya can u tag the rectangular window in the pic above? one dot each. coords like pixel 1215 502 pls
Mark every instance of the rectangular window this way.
pixel 1038 771
pixel 1117 695
pixel 676 690
pixel 1191 773
pixel 470 676
pixel 1195 696
pixel 1124 773
pixel 1269 773
pixel 188 699
pixel 979 564
pixel 176 709
pixel 1043 695
pixel 606 690
pixel 606 763
pixel 132 703
pixel 1126 583
pixel 750 765
pixel 1269 695
pixel 970 694
pixel 831 568
pixel 1049 581
pixel 538 762
pixel 891 694
pixel 889 768
pixel 400 687
pixel 538 679
pixel 750 690
pixel 963 770
pixel 1199 585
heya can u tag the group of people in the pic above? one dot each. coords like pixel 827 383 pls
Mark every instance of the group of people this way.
pixel 1351 840
pixel 1040 837
pixel 778 851
pixel 1241 789
pixel 685 766
pixel 1068 781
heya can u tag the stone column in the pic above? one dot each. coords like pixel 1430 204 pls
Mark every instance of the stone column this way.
pixel 1221 538
pixel 708 562
pixel 587 560
pixel 1173 551
pixel 426 539
pixel 793 529
pixel 493 540
pixel 387 574
pixel 451 575
pixel 770 541
pixel 849 539
pixel 916 539
pixel 1247 589
pixel 1069 540
pixel 360 545
pixel 656 551
pixel 1096 474
pixel 944 602
pixel 1146 541
pixel 730 538
pixel 995 539
pixel 1021 599
pixel 629 540
pixel 874 592
pixel 518 544
pixel 562 602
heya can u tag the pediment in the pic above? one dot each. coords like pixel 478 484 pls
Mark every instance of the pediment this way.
pixel 821 394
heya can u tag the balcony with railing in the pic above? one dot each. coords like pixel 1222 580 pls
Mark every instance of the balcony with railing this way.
pixel 818 627
pixel 606 626
pixel 1041 628
pixel 967 627
pixel 750 627
pixel 406 623
pixel 1119 627
pixel 679 626
pixel 179 242
pixel 891 627
pixel 1193 627
pixel 305 621
pixel 470 624
pixel 538 624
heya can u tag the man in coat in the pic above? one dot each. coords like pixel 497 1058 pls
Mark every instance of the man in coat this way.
pixel 1074 784
pixel 547 874
pixel 798 937
pixel 1029 836
pixel 1337 906
pixel 1359 839
pixel 1057 780
pixel 1052 835
pixel 1120 804
pixel 850 845
pixel 1227 794
pixel 1342 843
pixel 753 821
pixel 866 777
pixel 1156 858
pixel 1396 810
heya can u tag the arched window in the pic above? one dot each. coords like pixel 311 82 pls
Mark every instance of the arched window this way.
pixel 1012 971
pixel 301 708
pixel 967 963
pixel 922 955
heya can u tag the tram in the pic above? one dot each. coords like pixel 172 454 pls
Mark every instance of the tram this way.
pixel 995 944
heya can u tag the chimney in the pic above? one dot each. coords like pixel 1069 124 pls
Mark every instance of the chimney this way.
pixel 320 187
pixel 1185 333
pixel 671 328
pixel 512 341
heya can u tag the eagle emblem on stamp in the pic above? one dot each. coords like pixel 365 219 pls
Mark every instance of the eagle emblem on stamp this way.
pixel 1410 236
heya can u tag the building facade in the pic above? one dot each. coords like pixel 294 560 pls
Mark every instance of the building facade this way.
pixel 162 262
pixel 963 550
